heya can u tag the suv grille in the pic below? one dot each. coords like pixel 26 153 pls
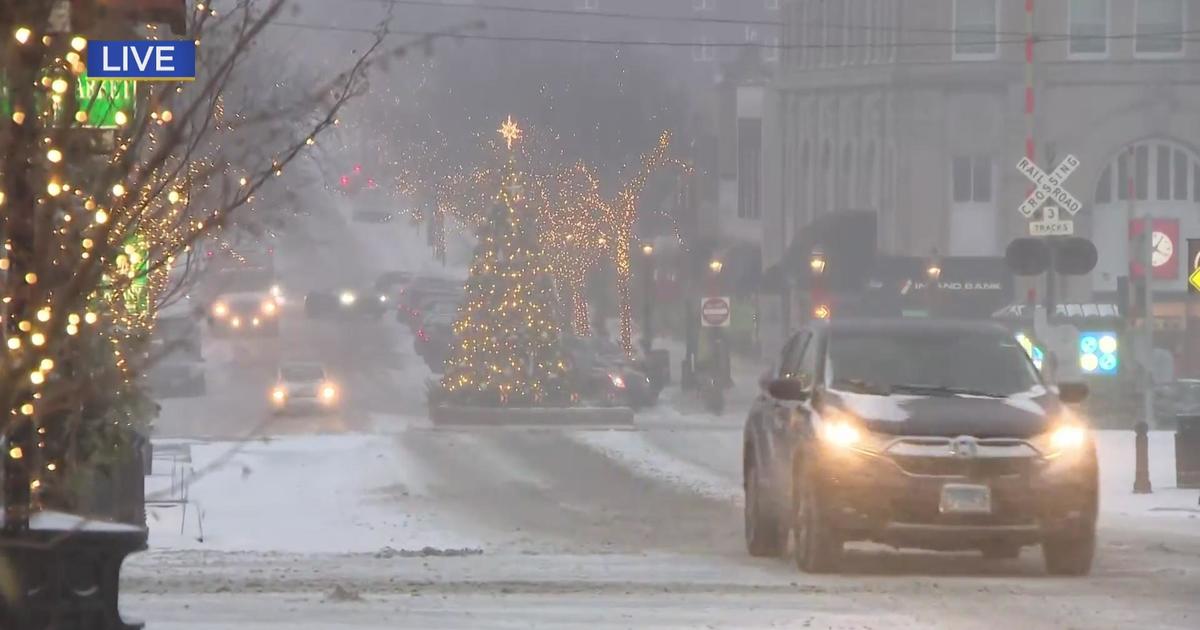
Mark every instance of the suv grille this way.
pixel 963 467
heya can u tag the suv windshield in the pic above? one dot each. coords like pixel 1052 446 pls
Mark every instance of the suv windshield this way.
pixel 301 372
pixel 929 362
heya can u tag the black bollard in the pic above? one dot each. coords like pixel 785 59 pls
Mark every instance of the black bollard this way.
pixel 1141 445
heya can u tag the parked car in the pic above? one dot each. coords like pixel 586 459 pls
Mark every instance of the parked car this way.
pixel 917 433
pixel 1180 398
pixel 420 288
pixel 433 340
pixel 414 308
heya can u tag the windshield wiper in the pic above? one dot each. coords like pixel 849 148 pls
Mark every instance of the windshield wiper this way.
pixel 860 386
pixel 939 390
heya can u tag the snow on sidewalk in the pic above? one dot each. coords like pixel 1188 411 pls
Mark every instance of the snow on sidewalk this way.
pixel 289 494
pixel 1168 507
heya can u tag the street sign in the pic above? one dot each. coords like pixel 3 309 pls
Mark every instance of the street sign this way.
pixel 1049 187
pixel 714 312
pixel 1051 224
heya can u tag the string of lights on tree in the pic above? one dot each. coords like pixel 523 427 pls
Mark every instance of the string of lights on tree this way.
pixel 93 218
pixel 506 350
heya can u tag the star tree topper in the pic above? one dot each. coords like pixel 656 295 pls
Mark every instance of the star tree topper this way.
pixel 510 131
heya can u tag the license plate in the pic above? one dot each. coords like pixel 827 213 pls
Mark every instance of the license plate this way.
pixel 960 498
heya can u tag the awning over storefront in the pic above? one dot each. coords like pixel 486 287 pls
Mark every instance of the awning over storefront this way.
pixel 1092 314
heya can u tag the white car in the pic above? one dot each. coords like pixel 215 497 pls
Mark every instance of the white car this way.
pixel 304 386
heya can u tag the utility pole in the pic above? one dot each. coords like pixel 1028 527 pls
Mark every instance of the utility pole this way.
pixel 1143 249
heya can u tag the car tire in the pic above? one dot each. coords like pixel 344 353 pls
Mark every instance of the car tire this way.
pixel 817 547
pixel 1070 554
pixel 1001 551
pixel 766 535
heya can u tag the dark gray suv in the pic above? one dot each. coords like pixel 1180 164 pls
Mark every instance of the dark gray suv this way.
pixel 917 433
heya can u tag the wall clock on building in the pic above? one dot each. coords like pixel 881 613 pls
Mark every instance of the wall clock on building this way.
pixel 1164 249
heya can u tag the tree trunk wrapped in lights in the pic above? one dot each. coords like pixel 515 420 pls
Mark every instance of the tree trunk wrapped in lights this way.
pixel 507 349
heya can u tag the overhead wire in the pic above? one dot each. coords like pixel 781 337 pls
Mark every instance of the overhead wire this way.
pixel 680 44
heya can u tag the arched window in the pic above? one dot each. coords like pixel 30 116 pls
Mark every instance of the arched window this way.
pixel 1160 170
pixel 1163 179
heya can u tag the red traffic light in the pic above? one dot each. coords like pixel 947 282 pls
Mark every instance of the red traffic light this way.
pixel 358 168
pixel 345 181
pixel 370 182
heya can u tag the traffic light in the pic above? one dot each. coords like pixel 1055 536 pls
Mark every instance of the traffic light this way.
pixel 344 181
pixel 1098 353
pixel 822 311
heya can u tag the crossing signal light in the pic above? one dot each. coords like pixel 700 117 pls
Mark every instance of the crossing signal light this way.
pixel 1098 353
pixel 822 311
pixel 345 181
pixel 358 168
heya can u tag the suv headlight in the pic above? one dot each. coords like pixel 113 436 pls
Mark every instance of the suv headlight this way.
pixel 1063 439
pixel 843 431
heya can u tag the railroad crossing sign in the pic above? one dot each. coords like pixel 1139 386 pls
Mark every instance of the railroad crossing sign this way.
pixel 1049 187
pixel 1051 224
pixel 714 312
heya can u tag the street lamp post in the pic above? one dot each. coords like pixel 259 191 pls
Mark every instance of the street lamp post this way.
pixel 719 359
pixel 933 275
pixel 648 305
pixel 818 309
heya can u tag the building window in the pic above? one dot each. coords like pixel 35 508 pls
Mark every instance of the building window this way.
pixel 703 50
pixel 973 212
pixel 972 177
pixel 831 45
pixel 1159 27
pixel 1162 183
pixel 771 5
pixel 1181 176
pixel 588 5
pixel 704 5
pixel 749 145
pixel 770 52
pixel 1089 28
pixel 975 28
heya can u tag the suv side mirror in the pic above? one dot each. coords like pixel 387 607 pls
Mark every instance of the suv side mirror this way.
pixel 765 379
pixel 1072 392
pixel 788 389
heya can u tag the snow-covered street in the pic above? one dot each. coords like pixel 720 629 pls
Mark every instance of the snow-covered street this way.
pixel 373 518
pixel 562 528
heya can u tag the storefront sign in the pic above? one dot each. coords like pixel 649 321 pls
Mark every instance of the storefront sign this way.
pixel 105 101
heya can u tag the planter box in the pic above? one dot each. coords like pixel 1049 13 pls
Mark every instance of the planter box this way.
pixel 454 415
pixel 66 573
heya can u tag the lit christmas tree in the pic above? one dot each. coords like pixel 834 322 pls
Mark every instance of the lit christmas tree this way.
pixel 507 338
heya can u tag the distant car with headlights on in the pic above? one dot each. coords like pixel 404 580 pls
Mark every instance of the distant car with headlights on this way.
pixel 245 313
pixel 917 433
pixel 347 302
pixel 603 375
pixel 304 387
